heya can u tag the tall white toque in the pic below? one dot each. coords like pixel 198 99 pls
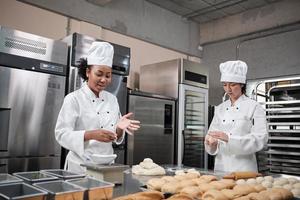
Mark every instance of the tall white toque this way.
pixel 100 53
pixel 233 71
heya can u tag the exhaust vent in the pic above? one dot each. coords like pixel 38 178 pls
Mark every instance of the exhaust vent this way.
pixel 27 45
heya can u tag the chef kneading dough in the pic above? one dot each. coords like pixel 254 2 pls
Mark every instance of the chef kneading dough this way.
pixel 148 167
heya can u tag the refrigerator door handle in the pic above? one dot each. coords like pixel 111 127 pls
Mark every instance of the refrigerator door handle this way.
pixel 4 128
pixel 183 146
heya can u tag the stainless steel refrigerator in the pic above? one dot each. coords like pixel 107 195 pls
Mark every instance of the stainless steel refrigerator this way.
pixel 187 82
pixel 32 88
pixel 156 137
pixel 78 48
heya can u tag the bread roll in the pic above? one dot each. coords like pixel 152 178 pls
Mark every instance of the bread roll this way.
pixel 205 187
pixel 269 178
pixel 155 184
pixel 170 187
pixel 251 181
pixel 257 196
pixel 240 182
pixel 244 189
pixel 181 197
pixel 271 195
pixel 242 198
pixel 296 186
pixel 260 179
pixel 199 181
pixel 288 187
pixel 180 177
pixel 214 195
pixel 219 185
pixel 169 178
pixel 286 194
pixel 148 195
pixel 292 180
pixel 193 191
pixel 296 192
pixel 209 177
pixel 185 183
pixel 231 194
pixel 192 175
pixel 267 184
pixel 179 172
pixel 259 187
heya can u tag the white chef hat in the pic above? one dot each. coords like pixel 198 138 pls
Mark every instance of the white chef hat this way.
pixel 233 71
pixel 100 53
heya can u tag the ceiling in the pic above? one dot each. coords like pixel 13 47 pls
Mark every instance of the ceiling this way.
pixel 202 11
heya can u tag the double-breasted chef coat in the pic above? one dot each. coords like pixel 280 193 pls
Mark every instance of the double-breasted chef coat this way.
pixel 80 112
pixel 245 125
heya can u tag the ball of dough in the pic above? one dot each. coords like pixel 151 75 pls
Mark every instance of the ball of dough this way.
pixel 288 187
pixel 279 182
pixel 148 160
pixel 284 180
pixel 260 179
pixel 240 182
pixel 267 184
pixel 251 181
pixel 296 192
pixel 296 186
pixel 269 178
pixel 179 172
pixel 292 180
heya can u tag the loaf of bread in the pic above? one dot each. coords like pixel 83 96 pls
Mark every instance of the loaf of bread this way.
pixel 209 177
pixel 257 196
pixel 219 185
pixel 214 195
pixel 171 187
pixel 285 194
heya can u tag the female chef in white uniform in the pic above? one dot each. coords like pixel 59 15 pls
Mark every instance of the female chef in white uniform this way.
pixel 238 129
pixel 89 120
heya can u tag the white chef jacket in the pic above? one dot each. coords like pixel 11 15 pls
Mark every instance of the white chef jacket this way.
pixel 245 125
pixel 80 112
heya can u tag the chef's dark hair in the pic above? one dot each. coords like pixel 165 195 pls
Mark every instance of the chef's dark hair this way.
pixel 244 89
pixel 82 67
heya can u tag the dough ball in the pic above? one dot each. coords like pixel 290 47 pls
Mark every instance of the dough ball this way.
pixel 296 192
pixel 292 180
pixel 279 182
pixel 296 186
pixel 260 179
pixel 269 178
pixel 267 184
pixel 148 160
pixel 179 172
pixel 284 180
pixel 240 182
pixel 288 187
pixel 251 181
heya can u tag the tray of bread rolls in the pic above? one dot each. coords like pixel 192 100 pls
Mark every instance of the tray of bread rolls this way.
pixel 191 184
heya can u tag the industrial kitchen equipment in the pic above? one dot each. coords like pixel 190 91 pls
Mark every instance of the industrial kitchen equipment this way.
pixel 187 82
pixel 281 98
pixel 156 137
pixel 32 88
pixel 78 48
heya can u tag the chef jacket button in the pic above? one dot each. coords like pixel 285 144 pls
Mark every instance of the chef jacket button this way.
pixel 223 120
pixel 107 112
pixel 112 125
pixel 98 113
pixel 230 133
pixel 237 108
pixel 233 120
pixel 93 100
pixel 102 100
pixel 226 108
pixel 101 126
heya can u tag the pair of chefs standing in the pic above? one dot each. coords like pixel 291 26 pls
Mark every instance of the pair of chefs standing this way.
pixel 89 120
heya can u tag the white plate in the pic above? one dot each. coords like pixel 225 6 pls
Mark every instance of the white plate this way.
pixel 103 159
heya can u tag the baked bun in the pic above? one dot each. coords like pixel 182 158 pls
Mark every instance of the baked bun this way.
pixel 181 197
pixel 257 196
pixel 193 191
pixel 170 187
pixel 155 184
pixel 214 195
pixel 169 178
pixel 231 194
pixel 244 189
pixel 148 195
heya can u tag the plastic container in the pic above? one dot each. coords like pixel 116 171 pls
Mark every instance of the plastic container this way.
pixel 63 174
pixel 21 191
pixel 7 179
pixel 58 190
pixel 35 177
pixel 95 189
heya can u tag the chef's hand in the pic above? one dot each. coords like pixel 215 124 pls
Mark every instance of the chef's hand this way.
pixel 210 141
pixel 101 135
pixel 219 135
pixel 127 124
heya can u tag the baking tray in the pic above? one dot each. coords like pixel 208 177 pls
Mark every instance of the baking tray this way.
pixel 34 177
pixel 7 178
pixel 62 174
